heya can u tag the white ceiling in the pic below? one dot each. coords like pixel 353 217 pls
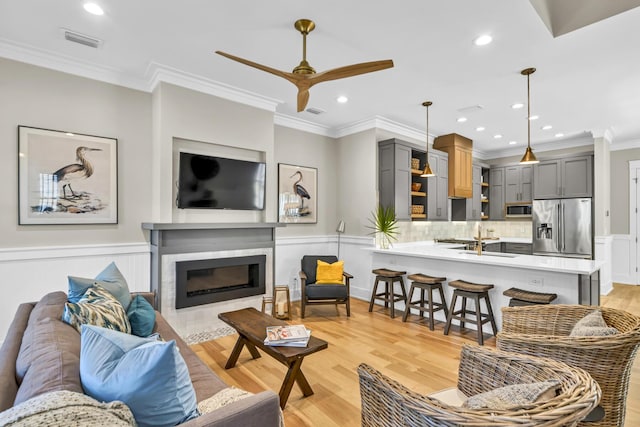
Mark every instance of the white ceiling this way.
pixel 587 80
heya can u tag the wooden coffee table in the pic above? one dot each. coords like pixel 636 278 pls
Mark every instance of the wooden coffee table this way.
pixel 251 326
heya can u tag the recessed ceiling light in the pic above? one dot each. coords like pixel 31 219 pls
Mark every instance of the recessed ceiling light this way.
pixel 497 136
pixel 517 105
pixel 480 128
pixel 69 134
pixel 559 135
pixel 546 127
pixel 513 142
pixel 483 40
pixel 93 9
pixel 534 118
pixel 342 99
pixel 461 119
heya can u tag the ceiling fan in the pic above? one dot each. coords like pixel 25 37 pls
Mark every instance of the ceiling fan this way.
pixel 304 76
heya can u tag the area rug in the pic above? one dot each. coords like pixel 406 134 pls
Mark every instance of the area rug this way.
pixel 203 336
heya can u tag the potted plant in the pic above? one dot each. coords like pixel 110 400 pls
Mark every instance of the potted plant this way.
pixel 384 225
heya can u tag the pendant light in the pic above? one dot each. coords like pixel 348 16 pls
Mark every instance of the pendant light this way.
pixel 529 157
pixel 427 172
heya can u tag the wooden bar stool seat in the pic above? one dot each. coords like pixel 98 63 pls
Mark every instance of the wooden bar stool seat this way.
pixel 520 297
pixel 425 283
pixel 389 296
pixel 476 292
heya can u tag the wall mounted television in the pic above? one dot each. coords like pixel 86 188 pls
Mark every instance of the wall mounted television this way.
pixel 208 182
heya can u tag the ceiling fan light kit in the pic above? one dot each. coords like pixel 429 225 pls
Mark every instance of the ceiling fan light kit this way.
pixel 529 157
pixel 304 76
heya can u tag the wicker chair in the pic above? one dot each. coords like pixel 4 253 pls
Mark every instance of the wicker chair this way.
pixel 385 402
pixel 544 331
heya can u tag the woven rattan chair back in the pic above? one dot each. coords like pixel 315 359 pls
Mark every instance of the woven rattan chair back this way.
pixel 386 402
pixel 543 330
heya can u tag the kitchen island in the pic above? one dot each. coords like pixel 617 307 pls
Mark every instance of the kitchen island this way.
pixel 575 281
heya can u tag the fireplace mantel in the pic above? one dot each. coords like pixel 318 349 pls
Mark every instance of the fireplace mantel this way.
pixel 184 238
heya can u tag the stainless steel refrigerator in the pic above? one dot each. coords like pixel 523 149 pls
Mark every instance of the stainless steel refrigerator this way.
pixel 563 227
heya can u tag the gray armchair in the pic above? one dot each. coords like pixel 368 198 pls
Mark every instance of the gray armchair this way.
pixel 314 293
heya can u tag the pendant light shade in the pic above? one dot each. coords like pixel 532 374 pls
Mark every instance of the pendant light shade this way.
pixel 427 172
pixel 529 157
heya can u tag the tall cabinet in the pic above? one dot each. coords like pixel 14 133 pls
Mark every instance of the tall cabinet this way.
pixel 438 187
pixel 496 193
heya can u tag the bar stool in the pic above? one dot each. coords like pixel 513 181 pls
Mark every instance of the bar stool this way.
pixel 425 283
pixel 476 292
pixel 520 297
pixel 389 277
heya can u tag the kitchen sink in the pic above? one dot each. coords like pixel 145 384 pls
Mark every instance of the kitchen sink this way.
pixel 497 254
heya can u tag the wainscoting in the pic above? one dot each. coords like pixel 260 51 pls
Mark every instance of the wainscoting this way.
pixel 30 273
pixel 623 262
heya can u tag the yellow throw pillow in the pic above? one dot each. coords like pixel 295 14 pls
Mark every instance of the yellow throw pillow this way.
pixel 329 274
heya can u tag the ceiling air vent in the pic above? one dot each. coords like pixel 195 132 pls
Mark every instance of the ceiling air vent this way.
pixel 75 37
pixel 315 111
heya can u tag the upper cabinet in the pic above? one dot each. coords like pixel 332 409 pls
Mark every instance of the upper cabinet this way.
pixel 569 177
pixel 459 149
pixel 394 177
pixel 518 184
pixel 401 186
pixel 474 204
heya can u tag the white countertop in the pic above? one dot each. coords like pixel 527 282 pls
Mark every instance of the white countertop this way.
pixel 452 251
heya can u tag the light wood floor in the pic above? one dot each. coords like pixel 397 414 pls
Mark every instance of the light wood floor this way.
pixel 422 360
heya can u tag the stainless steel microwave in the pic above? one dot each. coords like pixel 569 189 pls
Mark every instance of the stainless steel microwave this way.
pixel 517 210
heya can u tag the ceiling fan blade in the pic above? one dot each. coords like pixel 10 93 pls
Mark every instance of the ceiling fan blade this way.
pixel 289 76
pixel 303 99
pixel 350 70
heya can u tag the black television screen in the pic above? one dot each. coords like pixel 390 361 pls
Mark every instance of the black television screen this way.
pixel 207 182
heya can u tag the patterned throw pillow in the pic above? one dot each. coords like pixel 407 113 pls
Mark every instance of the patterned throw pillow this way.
pixel 65 408
pixel 97 307
pixel 592 325
pixel 514 396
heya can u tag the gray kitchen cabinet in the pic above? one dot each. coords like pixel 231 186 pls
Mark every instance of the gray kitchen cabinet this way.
pixel 394 177
pixel 518 184
pixel 496 194
pixel 438 187
pixel 493 247
pixel 568 177
pixel 474 204
pixel 518 248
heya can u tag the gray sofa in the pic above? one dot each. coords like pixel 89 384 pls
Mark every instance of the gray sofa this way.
pixel 41 353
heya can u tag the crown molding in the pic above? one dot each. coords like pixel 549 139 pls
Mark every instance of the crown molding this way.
pixel 626 145
pixel 583 139
pixel 303 125
pixel 379 122
pixel 159 73
pixel 66 64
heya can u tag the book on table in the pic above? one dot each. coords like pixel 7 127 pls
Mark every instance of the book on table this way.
pixel 288 335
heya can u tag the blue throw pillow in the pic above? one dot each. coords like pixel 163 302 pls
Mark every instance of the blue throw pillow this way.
pixel 110 278
pixel 149 376
pixel 142 316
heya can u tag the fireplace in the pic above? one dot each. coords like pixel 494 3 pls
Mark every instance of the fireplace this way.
pixel 207 281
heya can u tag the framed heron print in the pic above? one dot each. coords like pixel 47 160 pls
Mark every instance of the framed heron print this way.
pixel 297 194
pixel 66 178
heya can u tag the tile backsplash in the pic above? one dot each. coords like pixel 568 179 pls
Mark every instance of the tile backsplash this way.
pixel 429 230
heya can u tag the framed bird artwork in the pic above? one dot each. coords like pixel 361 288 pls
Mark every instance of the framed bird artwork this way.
pixel 297 194
pixel 66 177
